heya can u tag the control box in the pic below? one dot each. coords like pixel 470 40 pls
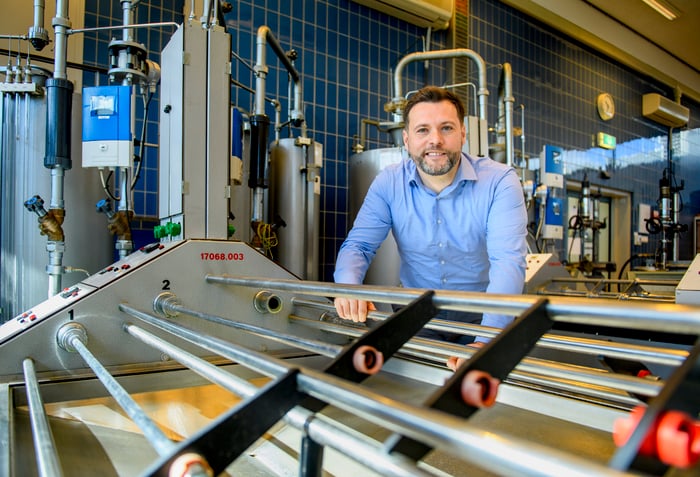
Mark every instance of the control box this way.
pixel 107 135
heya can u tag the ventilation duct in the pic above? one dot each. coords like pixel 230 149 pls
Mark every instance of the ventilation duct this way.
pixel 424 13
pixel 664 111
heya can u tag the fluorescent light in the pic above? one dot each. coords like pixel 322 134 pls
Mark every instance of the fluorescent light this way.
pixel 664 8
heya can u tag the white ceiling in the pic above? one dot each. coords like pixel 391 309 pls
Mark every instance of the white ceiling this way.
pixel 679 37
pixel 631 32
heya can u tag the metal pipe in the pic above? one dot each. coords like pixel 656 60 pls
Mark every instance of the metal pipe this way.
pixel 321 430
pixel 505 110
pixel 264 37
pixel 583 377
pixel 442 54
pixel 647 316
pixel 171 307
pixel 44 445
pixel 72 338
pixel 652 354
pixel 73 31
pixel 496 453
pixel 436 428
pixel 61 24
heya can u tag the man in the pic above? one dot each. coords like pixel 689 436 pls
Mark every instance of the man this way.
pixel 459 221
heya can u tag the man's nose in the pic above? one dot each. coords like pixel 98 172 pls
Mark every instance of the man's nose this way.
pixel 435 137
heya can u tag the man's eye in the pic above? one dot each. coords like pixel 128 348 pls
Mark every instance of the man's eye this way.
pixel 421 131
pixel 448 128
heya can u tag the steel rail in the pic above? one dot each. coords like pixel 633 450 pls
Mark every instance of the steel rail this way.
pixel 322 431
pixel 47 461
pixel 424 348
pixel 72 338
pixel 653 354
pixel 170 306
pixel 647 316
pixel 440 430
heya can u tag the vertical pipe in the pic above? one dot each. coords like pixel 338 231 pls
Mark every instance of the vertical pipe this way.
pixel 505 105
pixel 44 445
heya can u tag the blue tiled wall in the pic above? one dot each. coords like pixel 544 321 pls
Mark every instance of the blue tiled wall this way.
pixel 347 54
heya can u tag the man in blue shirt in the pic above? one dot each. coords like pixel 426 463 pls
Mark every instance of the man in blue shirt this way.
pixel 459 221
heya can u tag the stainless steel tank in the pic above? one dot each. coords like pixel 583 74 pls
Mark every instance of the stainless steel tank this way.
pixel 23 255
pixel 363 168
pixel 295 191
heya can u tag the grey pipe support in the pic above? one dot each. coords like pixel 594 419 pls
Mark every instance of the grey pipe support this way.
pixel 44 444
pixel 505 110
pixel 72 337
pixel 442 54
pixel 646 316
pixel 495 452
pixel 320 430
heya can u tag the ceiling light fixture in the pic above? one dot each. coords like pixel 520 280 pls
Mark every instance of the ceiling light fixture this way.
pixel 664 8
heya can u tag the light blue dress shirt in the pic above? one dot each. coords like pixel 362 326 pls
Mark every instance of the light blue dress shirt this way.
pixel 470 237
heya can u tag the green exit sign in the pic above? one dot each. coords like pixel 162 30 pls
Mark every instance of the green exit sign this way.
pixel 606 141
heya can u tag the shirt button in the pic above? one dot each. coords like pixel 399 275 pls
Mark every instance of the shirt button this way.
pixel 440 245
pixel 439 221
pixel 444 280
pixel 442 262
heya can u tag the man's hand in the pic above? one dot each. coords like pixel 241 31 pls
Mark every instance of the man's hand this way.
pixel 453 362
pixel 351 309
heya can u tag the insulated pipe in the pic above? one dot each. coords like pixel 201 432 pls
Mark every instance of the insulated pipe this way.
pixel 44 445
pixel 505 110
pixel 435 428
pixel 645 316
pixel 483 92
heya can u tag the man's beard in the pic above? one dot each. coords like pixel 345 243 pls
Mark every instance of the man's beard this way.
pixel 452 159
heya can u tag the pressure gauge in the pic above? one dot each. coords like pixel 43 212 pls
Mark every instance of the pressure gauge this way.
pixel 606 106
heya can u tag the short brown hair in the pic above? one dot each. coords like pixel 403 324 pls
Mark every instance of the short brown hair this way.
pixel 433 94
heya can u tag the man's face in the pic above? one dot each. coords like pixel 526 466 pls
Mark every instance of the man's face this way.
pixel 434 137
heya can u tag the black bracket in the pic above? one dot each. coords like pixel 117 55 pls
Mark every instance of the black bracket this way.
pixel 222 441
pixel 681 392
pixel 498 358
pixel 387 337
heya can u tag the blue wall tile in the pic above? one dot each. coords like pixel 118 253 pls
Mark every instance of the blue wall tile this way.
pixel 347 55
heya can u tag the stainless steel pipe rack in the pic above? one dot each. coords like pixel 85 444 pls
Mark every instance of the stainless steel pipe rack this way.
pixel 188 319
